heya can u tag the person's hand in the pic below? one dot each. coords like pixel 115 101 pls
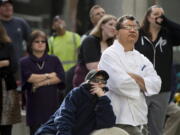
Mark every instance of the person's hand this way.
pixel 4 63
pixel 159 19
pixel 50 75
pixel 96 89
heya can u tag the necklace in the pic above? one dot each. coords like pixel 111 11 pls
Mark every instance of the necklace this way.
pixel 40 66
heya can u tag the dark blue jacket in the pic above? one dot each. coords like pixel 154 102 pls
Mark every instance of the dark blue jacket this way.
pixel 80 114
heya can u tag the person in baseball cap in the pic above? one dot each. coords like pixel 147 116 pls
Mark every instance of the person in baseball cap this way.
pixel 84 109
pixel 93 73
pixel 5 1
pixel 6 12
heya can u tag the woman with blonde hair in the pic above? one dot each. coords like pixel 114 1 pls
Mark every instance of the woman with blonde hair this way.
pixel 100 38
pixel 9 97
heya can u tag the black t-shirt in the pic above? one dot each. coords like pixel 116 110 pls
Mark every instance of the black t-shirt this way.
pixel 90 50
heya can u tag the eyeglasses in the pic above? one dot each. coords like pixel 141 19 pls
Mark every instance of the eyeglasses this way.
pixel 130 27
pixel 39 41
pixel 98 80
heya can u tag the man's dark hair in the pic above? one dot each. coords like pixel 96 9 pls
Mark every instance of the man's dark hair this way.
pixel 123 18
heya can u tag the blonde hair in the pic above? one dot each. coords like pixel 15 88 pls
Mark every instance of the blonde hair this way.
pixel 97 31
pixel 110 131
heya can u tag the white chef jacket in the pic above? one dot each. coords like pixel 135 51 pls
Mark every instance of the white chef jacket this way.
pixel 127 99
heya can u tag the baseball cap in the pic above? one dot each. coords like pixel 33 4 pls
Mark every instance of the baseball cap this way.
pixel 94 73
pixel 5 1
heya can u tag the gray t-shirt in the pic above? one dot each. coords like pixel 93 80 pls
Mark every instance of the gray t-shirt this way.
pixel 18 30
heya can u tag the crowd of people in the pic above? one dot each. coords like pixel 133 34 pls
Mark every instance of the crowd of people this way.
pixel 118 78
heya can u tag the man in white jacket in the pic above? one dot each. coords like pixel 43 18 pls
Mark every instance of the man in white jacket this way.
pixel 132 76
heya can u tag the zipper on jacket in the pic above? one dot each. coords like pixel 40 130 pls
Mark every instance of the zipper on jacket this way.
pixel 154 50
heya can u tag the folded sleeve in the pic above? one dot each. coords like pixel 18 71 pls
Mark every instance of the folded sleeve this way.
pixel 173 30
pixel 25 74
pixel 151 79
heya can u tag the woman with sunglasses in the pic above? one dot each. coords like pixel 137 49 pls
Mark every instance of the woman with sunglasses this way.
pixel 42 77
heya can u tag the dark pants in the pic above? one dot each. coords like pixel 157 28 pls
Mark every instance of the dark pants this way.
pixel 157 107
pixel 5 129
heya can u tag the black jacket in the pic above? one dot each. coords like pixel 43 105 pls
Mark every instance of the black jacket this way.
pixel 160 52
pixel 7 73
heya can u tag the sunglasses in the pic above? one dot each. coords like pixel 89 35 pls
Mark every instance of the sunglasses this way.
pixel 98 80
pixel 39 41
